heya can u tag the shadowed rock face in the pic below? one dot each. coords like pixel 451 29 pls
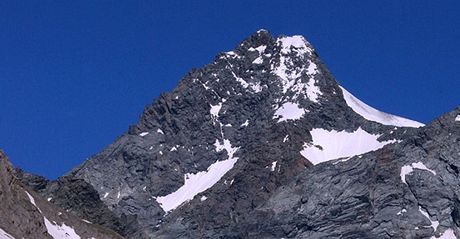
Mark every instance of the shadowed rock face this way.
pixel 25 214
pixel 228 153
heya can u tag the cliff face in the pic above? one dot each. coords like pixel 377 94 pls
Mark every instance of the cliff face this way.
pixel 25 214
pixel 406 190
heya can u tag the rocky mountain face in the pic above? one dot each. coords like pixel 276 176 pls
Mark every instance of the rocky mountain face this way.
pixel 24 214
pixel 264 143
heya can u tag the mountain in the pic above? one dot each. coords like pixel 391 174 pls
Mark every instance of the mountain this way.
pixel 264 143
pixel 27 215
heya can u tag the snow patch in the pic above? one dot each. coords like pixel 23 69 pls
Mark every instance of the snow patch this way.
pixel 143 134
pixel 286 138
pixel 160 131
pixel 60 232
pixel 289 111
pixel 294 43
pixel 246 123
pixel 327 145
pixel 447 234
pixel 195 184
pixel 408 169
pixel 255 87
pixel 401 212
pixel 313 91
pixel 457 118
pixel 32 200
pixel 273 166
pixel 258 60
pixel 201 181
pixel 434 224
pixel 5 235
pixel 372 114
pixel 215 110
pixel 203 198
pixel 260 49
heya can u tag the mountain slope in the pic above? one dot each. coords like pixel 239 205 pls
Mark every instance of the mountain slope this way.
pixel 27 215
pixel 202 158
pixel 405 190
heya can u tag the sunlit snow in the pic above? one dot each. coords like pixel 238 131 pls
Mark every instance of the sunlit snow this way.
pixel 401 212
pixel 201 181
pixel 258 60
pixel 5 235
pixel 143 134
pixel 32 200
pixel 56 231
pixel 434 224
pixel 296 43
pixel 372 114
pixel 290 75
pixel 447 234
pixel 289 111
pixel 215 110
pixel 457 118
pixel 60 232
pixel 260 49
pixel 408 169
pixel 328 145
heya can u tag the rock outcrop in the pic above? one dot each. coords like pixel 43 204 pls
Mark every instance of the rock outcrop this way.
pixel 25 214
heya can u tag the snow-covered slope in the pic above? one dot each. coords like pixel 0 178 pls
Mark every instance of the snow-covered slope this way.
pixel 372 114
pixel 329 145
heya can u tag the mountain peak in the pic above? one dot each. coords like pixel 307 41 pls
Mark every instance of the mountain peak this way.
pixel 254 118
pixel 295 43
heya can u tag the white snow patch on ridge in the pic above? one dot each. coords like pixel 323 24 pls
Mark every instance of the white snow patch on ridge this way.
pixel 297 42
pixel 408 169
pixel 457 118
pixel 372 114
pixel 201 181
pixel 5 235
pixel 328 145
pixel 289 111
pixel 32 200
pixel 60 232
pixel 143 134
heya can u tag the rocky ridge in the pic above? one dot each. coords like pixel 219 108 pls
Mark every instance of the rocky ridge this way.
pixel 27 215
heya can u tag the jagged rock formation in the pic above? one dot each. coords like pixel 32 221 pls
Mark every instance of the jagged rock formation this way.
pixel 24 214
pixel 263 142
pixel 404 190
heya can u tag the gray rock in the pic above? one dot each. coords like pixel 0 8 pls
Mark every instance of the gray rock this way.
pixel 24 213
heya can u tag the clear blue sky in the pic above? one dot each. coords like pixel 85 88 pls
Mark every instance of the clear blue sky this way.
pixel 75 74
